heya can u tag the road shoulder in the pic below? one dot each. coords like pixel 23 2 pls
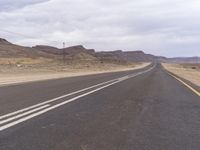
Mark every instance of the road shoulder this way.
pixel 13 79
pixel 185 81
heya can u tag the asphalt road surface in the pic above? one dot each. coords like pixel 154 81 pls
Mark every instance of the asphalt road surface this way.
pixel 144 109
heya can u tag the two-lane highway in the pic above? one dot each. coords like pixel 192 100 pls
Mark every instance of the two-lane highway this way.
pixel 144 109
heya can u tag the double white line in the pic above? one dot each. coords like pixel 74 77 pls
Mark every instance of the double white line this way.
pixel 14 118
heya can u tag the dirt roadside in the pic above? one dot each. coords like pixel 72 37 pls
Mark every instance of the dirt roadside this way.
pixel 8 78
pixel 190 72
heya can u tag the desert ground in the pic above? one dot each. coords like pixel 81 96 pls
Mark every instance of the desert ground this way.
pixel 11 73
pixel 190 72
pixel 24 64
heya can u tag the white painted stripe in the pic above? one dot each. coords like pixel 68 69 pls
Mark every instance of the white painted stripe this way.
pixel 68 101
pixel 60 97
pixel 23 114
pixel 50 108
pixel 54 99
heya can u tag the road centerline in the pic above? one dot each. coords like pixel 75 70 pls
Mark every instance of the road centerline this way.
pixel 54 99
pixel 114 81
pixel 23 114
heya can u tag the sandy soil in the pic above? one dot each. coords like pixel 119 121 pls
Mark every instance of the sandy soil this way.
pixel 12 76
pixel 187 71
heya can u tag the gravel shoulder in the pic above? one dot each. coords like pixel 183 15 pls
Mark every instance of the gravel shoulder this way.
pixel 15 77
pixel 190 72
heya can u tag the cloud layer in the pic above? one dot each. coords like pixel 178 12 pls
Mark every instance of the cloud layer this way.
pixel 161 27
pixel 6 5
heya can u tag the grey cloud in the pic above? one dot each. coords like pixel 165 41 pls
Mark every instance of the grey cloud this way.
pixel 7 5
pixel 162 27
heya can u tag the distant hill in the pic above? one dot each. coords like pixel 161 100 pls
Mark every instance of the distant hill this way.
pixel 79 52
pixel 47 49
pixel 4 41
pixel 184 60
pixel 67 51
pixel 9 50
pixel 131 56
pixel 139 56
pixel 73 53
pixel 15 55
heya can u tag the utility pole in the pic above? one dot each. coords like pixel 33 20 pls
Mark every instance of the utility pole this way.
pixel 63 52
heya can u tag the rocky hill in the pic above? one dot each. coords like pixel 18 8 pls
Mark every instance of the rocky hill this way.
pixel 184 60
pixel 115 56
pixel 67 51
pixel 47 49
pixel 79 52
pixel 130 56
pixel 15 55
pixel 9 50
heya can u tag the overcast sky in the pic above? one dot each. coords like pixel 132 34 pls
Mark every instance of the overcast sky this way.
pixel 161 27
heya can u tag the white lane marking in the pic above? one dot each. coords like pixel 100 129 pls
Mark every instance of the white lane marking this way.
pixel 50 108
pixel 54 99
pixel 60 97
pixel 23 114
pixel 68 101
